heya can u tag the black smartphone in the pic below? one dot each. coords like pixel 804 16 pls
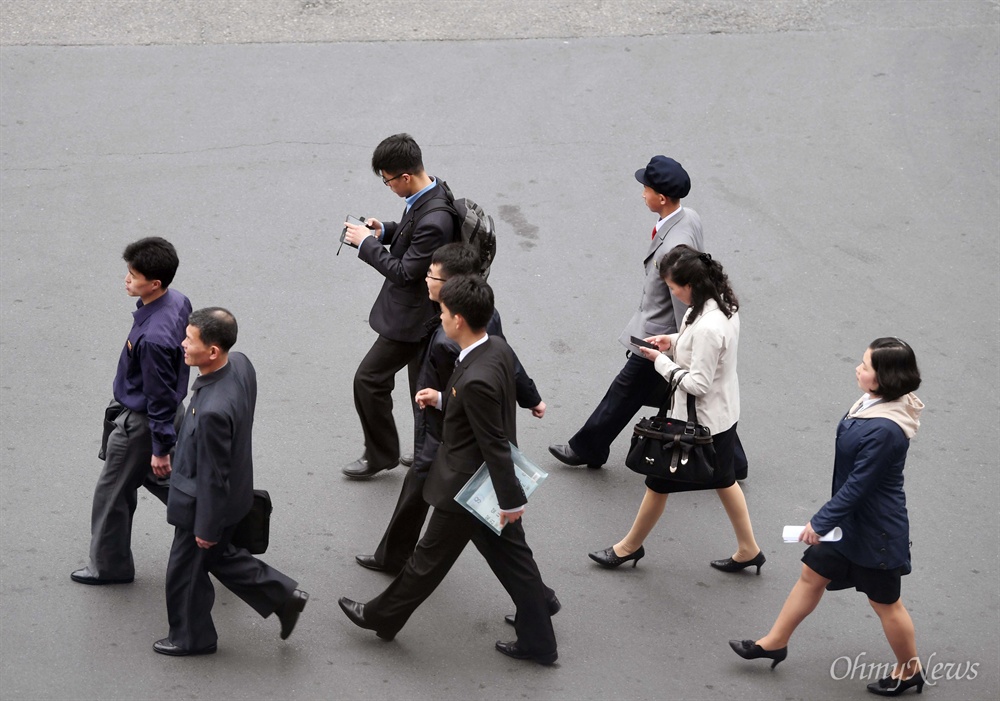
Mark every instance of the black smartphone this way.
pixel 642 344
pixel 351 219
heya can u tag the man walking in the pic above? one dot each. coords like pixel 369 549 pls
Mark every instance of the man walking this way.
pixel 479 426
pixel 664 183
pixel 139 433
pixel 401 252
pixel 210 493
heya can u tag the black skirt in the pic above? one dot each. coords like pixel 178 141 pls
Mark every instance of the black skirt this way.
pixel 725 473
pixel 881 586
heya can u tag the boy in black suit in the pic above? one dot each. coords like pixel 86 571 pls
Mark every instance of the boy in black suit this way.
pixel 479 424
pixel 408 518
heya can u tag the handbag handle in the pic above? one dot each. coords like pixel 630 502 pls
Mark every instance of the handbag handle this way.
pixel 673 382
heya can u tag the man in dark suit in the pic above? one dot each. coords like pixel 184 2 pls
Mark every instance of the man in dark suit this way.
pixel 401 253
pixel 479 426
pixel 211 490
pixel 408 518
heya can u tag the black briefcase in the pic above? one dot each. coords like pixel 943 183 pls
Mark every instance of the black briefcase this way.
pixel 253 531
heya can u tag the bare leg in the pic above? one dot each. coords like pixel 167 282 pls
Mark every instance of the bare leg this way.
pixel 736 508
pixel 898 627
pixel 649 513
pixel 800 603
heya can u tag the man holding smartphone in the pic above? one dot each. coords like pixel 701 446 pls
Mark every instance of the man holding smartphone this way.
pixel 401 253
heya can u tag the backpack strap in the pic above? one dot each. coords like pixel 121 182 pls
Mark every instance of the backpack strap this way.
pixel 448 206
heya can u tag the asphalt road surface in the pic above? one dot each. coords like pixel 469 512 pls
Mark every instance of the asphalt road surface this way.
pixel 844 158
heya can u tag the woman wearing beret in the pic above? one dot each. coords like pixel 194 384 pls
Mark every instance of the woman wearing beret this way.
pixel 869 505
pixel 706 348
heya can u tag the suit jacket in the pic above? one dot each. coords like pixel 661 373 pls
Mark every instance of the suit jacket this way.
pixel 402 307
pixel 211 483
pixel 435 372
pixel 659 311
pixel 479 425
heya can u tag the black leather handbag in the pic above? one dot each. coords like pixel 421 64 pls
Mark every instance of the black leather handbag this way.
pixel 254 530
pixel 672 449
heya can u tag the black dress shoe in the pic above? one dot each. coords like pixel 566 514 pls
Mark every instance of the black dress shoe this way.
pixel 554 607
pixel 894 687
pixel 406 460
pixel 565 455
pixel 165 647
pixel 356 612
pixel 609 559
pixel 289 612
pixel 731 565
pixel 512 649
pixel 370 563
pixel 749 650
pixel 85 576
pixel 361 470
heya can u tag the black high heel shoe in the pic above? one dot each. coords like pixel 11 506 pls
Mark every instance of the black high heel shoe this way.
pixel 749 650
pixel 608 558
pixel 731 565
pixel 895 687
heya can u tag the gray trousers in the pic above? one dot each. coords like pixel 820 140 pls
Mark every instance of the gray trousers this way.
pixel 127 452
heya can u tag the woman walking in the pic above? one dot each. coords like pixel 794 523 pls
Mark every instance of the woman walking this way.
pixel 869 505
pixel 706 348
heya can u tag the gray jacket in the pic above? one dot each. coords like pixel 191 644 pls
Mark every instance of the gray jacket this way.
pixel 659 312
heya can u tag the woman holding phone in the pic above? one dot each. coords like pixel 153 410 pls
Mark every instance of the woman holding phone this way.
pixel 706 347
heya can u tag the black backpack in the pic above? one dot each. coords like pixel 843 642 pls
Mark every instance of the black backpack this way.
pixel 475 227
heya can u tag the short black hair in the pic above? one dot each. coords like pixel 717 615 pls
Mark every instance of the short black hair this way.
pixel 471 297
pixel 895 366
pixel 398 154
pixel 216 325
pixel 154 258
pixel 456 259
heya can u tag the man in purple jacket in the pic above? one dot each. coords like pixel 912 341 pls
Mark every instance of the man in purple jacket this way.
pixel 139 423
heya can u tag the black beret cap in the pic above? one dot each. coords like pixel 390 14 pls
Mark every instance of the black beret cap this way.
pixel 666 176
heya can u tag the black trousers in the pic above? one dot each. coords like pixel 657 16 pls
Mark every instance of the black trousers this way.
pixel 373 384
pixel 508 555
pixel 637 385
pixel 407 520
pixel 190 594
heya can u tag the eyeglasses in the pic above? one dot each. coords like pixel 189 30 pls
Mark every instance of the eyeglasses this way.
pixel 438 279
pixel 395 177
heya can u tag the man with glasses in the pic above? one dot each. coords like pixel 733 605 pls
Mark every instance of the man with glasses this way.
pixel 400 252
pixel 438 363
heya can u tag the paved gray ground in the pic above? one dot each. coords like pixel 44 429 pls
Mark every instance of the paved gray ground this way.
pixel 845 163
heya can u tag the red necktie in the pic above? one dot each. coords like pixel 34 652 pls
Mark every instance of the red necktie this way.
pixel 654 232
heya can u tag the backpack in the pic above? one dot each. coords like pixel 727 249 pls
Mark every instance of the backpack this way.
pixel 475 227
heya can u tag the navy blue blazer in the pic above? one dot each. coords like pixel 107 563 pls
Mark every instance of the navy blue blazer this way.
pixel 868 500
